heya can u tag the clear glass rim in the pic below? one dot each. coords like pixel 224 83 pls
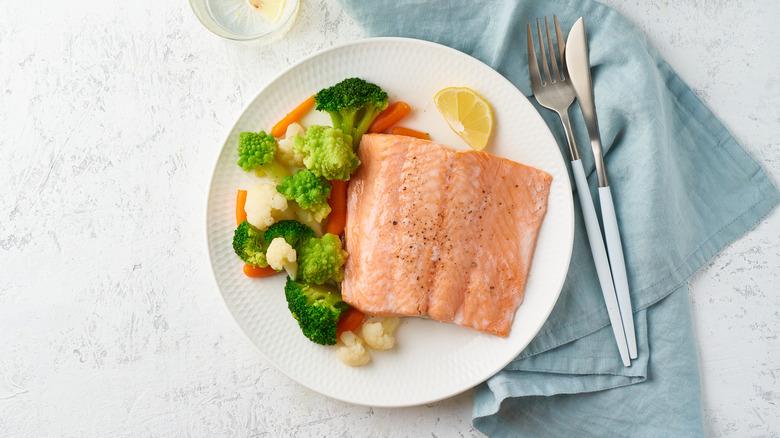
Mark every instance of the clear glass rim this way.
pixel 200 10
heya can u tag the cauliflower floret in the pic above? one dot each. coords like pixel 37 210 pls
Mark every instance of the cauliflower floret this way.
pixel 285 153
pixel 351 350
pixel 281 255
pixel 378 332
pixel 264 206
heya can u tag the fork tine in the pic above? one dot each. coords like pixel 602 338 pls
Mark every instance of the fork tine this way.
pixel 561 48
pixel 553 61
pixel 547 77
pixel 533 64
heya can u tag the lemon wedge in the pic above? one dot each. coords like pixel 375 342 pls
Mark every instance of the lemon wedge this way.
pixel 271 10
pixel 467 113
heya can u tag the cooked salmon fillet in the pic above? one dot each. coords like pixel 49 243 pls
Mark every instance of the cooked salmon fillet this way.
pixel 437 232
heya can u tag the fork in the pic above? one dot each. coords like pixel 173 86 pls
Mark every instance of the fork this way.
pixel 556 93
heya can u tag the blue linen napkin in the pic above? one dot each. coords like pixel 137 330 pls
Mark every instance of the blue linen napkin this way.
pixel 683 190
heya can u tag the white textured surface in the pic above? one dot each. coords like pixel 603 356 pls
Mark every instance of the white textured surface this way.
pixel 110 325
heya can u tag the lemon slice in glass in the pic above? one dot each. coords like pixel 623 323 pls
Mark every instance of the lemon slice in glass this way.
pixel 467 113
pixel 271 10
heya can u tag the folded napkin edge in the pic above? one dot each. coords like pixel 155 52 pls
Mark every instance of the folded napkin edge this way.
pixel 706 251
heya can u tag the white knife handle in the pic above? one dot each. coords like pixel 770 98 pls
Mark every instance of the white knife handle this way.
pixel 618 263
pixel 600 259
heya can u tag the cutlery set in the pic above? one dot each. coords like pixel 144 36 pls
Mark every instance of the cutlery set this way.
pixel 566 78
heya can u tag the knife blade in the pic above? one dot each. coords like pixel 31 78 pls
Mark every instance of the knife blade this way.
pixel 578 64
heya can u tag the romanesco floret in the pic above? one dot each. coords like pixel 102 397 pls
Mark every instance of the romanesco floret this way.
pixel 327 152
pixel 264 206
pixel 294 232
pixel 255 149
pixel 317 308
pixel 321 259
pixel 280 255
pixel 351 351
pixel 248 244
pixel 285 153
pixel 309 191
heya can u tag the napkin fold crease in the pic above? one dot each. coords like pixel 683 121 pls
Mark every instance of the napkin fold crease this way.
pixel 683 190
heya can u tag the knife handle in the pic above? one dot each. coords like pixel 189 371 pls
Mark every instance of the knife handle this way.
pixel 618 264
pixel 600 259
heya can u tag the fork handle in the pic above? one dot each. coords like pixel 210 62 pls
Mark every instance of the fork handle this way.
pixel 618 264
pixel 575 154
pixel 600 259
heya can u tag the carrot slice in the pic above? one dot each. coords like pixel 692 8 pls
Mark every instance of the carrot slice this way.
pixel 257 272
pixel 280 128
pixel 336 223
pixel 390 116
pixel 400 130
pixel 240 203
pixel 349 322
pixel 337 219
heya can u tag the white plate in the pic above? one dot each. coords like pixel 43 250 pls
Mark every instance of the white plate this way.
pixel 432 360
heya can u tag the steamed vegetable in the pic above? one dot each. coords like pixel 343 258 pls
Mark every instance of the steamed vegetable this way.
pixel 352 352
pixel 280 128
pixel 349 322
pixel 309 191
pixel 352 104
pixel 307 218
pixel 282 256
pixel 390 116
pixel 337 219
pixel 240 203
pixel 280 222
pixel 257 272
pixel 256 152
pixel 400 130
pixel 321 259
pixel 378 332
pixel 317 308
pixel 327 152
pixel 264 206
pixel 248 244
pixel 294 232
pixel 285 153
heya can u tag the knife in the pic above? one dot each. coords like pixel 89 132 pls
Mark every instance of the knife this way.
pixel 578 63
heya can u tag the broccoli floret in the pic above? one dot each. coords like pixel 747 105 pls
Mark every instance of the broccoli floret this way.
pixel 352 105
pixel 249 245
pixel 317 309
pixel 256 152
pixel 309 191
pixel 327 152
pixel 321 259
pixel 294 232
